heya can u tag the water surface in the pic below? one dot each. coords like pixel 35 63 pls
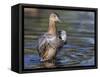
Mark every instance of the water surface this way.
pixel 79 50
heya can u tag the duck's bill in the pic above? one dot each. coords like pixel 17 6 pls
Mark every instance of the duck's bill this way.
pixel 59 20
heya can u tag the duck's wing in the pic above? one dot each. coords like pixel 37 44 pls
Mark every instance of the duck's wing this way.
pixel 63 36
pixel 42 45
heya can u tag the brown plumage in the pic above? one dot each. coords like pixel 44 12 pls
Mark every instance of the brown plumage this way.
pixel 49 42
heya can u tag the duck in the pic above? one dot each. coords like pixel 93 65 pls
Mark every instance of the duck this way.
pixel 50 42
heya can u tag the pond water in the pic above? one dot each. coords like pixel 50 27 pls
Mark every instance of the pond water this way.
pixel 70 55
pixel 79 50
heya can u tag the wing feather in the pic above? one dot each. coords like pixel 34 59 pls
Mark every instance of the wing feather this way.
pixel 42 45
pixel 48 43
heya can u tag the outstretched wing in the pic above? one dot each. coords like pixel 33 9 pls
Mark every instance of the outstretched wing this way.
pixel 63 36
pixel 48 43
pixel 42 45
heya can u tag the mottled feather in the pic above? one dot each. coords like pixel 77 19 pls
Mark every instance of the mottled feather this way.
pixel 48 45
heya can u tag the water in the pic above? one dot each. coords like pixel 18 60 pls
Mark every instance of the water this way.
pixel 79 50
pixel 70 55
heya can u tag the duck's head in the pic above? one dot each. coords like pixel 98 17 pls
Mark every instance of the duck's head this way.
pixel 54 17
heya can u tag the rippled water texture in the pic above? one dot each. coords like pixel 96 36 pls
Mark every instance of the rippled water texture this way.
pixel 79 25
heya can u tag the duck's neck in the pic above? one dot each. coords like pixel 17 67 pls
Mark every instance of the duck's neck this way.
pixel 52 28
